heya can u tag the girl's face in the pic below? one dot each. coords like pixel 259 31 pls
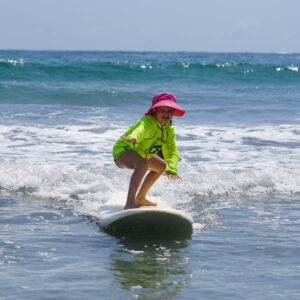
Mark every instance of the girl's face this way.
pixel 163 114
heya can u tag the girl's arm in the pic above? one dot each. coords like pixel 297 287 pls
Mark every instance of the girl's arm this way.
pixel 171 155
pixel 138 131
pixel 129 139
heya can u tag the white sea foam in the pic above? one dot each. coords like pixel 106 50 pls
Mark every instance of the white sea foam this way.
pixel 74 163
pixel 293 68
pixel 13 61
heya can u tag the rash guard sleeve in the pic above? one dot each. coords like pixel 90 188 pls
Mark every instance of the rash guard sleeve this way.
pixel 171 153
pixel 141 130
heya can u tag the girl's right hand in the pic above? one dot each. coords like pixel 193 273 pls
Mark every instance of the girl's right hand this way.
pixel 129 139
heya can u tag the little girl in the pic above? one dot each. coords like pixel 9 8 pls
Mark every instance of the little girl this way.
pixel 139 148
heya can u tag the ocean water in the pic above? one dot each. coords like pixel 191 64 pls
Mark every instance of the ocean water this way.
pixel 60 113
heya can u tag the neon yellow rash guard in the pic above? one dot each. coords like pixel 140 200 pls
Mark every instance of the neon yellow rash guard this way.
pixel 152 138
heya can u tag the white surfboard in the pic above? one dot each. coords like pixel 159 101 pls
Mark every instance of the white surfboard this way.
pixel 146 221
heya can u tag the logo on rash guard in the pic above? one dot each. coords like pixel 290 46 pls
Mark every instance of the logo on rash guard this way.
pixel 154 149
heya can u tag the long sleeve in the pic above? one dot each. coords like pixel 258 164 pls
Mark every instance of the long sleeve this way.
pixel 170 152
pixel 141 130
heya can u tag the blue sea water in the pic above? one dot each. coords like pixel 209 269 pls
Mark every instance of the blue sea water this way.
pixel 60 113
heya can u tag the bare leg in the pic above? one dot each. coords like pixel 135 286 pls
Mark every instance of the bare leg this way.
pixel 131 160
pixel 157 166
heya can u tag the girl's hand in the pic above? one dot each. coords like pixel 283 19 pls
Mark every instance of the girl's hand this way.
pixel 171 176
pixel 129 139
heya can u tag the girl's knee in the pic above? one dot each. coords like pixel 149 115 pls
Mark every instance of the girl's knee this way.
pixel 163 166
pixel 158 164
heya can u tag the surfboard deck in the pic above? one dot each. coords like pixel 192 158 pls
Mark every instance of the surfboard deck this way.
pixel 147 221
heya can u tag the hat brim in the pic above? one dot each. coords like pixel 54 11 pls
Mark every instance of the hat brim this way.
pixel 179 111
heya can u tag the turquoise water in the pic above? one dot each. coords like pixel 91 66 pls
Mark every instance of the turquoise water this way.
pixel 60 113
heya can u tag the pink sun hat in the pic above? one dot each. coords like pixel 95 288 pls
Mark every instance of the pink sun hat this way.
pixel 166 99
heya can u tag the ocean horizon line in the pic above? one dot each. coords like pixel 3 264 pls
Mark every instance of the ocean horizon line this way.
pixel 152 51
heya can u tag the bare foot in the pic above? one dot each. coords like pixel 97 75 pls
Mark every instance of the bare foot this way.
pixel 129 206
pixel 145 202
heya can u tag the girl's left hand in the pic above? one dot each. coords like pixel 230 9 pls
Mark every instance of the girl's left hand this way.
pixel 171 176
